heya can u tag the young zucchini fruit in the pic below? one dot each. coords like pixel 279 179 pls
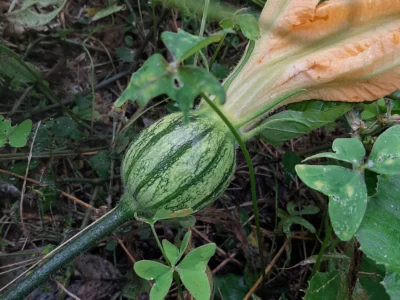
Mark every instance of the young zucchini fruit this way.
pixel 173 165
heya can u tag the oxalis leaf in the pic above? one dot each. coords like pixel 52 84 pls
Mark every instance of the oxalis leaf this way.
pixel 347 195
pixel 192 271
pixel 27 15
pixel 161 274
pixel 180 83
pixel 289 124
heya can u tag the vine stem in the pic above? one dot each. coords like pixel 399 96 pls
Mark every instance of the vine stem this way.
pixel 63 254
pixel 252 176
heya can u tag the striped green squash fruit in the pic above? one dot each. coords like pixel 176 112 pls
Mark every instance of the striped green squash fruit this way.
pixel 177 165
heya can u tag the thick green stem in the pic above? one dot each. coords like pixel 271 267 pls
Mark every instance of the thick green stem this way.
pixel 28 281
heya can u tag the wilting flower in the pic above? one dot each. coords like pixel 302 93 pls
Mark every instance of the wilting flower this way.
pixel 337 50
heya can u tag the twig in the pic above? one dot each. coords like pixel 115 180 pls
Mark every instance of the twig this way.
pixel 21 202
pixel 66 291
pixel 269 267
pixel 24 262
pixel 225 262
pixel 78 201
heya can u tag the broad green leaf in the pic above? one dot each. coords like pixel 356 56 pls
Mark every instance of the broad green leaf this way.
pixel 385 155
pixel 171 252
pixel 249 26
pixel 370 277
pixel 392 285
pixel 347 195
pixel 230 286
pixel 182 45
pixel 289 124
pixel 107 12
pixel 327 286
pixel 27 15
pixel 349 150
pixel 182 84
pixel 192 271
pixel 162 275
pixel 101 163
pixel 379 233
pixel 185 243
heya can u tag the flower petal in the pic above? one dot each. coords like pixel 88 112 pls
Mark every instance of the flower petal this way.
pixel 340 50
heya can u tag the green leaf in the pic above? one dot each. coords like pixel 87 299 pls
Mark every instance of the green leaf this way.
pixel 19 136
pixel 171 252
pixel 107 12
pixel 349 150
pixel 192 271
pixel 249 26
pixel 319 105
pixel 27 15
pixel 182 45
pixel 125 54
pixel 347 195
pixel 185 243
pixel 182 84
pixel 227 23
pixel 289 124
pixel 230 286
pixel 101 163
pixel 370 278
pixel 16 136
pixel 392 285
pixel 385 155
pixel 162 275
pixel 379 233
pixel 327 286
